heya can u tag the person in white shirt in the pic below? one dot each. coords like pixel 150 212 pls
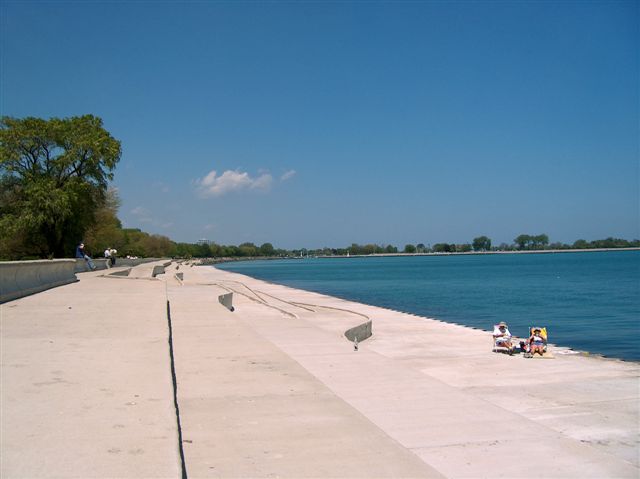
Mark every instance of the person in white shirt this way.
pixel 502 335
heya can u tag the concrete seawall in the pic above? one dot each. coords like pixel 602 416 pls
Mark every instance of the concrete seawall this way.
pixel 22 278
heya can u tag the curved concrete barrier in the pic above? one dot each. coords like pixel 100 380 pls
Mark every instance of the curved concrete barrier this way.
pixel 226 300
pixel 22 278
pixel 359 333
pixel 157 270
pixel 160 269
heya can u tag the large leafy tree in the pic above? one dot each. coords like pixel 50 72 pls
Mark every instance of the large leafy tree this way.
pixel 53 179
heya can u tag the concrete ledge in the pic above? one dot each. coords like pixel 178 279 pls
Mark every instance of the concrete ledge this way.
pixel 22 278
pixel 134 262
pixel 359 333
pixel 81 265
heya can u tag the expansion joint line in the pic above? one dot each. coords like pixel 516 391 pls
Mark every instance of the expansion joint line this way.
pixel 174 380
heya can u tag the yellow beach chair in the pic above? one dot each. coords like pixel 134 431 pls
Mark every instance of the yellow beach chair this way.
pixel 545 338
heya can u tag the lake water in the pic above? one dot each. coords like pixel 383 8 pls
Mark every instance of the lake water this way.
pixel 587 301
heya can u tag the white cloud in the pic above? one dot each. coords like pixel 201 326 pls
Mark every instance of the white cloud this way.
pixel 230 181
pixel 288 175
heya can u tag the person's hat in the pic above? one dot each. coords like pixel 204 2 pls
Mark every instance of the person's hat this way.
pixel 537 329
pixel 502 323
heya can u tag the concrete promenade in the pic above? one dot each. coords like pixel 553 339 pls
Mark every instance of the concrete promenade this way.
pixel 274 389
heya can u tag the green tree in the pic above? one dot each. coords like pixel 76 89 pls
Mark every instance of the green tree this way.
pixel 267 249
pixel 441 248
pixel 581 244
pixel 106 232
pixel 248 249
pixel 369 249
pixel 158 246
pixel 134 242
pixel 54 175
pixel 482 243
pixel 202 250
pixel 522 241
pixel 215 249
pixel 611 242
pixel 466 247
pixel 409 248
pixel 540 241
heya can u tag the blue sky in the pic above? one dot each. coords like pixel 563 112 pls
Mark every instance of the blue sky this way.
pixel 310 124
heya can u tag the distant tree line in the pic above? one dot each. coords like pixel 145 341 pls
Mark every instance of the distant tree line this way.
pixel 138 243
pixel 523 242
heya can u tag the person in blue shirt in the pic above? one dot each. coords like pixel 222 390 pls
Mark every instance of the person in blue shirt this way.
pixel 80 253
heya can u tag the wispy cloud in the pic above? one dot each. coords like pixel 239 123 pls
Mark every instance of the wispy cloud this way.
pixel 231 181
pixel 142 214
pixel 161 186
pixel 288 175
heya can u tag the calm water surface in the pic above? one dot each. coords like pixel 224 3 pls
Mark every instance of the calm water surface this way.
pixel 588 301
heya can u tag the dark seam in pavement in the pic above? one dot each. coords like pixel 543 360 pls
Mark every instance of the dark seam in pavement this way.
pixel 174 379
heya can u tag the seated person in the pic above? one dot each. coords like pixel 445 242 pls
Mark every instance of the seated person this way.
pixel 536 342
pixel 502 336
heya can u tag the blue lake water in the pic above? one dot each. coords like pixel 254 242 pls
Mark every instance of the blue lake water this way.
pixel 588 301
